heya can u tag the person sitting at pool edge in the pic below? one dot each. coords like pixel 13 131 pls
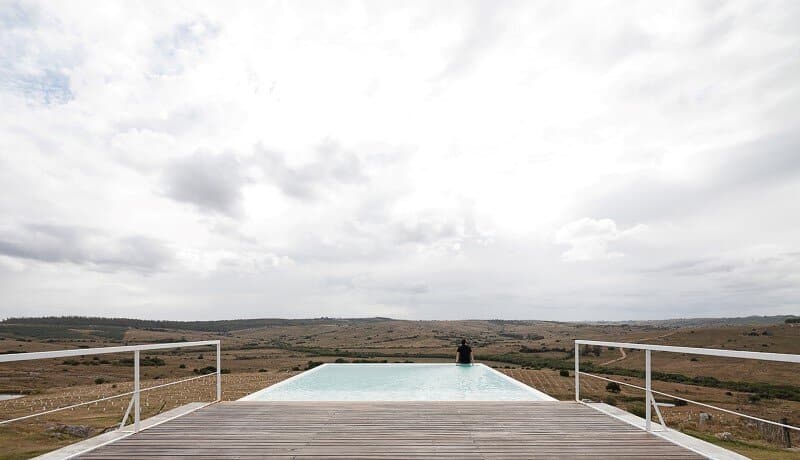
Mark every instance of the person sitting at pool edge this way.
pixel 464 354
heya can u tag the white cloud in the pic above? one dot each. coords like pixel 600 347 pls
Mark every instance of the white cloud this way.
pixel 589 238
pixel 432 159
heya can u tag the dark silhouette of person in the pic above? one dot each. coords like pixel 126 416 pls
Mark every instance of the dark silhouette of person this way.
pixel 464 353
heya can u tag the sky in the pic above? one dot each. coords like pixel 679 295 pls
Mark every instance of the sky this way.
pixel 586 160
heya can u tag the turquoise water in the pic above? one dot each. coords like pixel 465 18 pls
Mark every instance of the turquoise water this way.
pixel 399 382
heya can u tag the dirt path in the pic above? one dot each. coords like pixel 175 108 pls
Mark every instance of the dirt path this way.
pixel 624 355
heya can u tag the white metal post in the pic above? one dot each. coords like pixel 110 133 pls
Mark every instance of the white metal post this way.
pixel 648 397
pixel 577 373
pixel 219 373
pixel 136 392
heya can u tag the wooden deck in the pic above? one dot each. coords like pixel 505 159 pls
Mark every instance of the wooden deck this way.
pixel 383 430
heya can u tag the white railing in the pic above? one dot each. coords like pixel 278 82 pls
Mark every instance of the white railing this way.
pixel 650 401
pixel 135 403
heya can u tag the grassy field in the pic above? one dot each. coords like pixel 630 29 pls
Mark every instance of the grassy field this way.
pixel 266 351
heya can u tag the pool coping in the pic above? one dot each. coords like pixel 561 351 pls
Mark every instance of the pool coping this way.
pixel 539 394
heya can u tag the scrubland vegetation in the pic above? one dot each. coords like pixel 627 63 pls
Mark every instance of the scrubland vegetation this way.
pixel 257 353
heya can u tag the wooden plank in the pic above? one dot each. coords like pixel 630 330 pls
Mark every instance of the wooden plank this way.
pixel 385 430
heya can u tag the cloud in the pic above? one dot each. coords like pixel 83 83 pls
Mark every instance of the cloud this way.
pixel 713 176
pixel 590 238
pixel 443 161
pixel 185 42
pixel 329 166
pixel 211 182
pixel 38 74
pixel 81 246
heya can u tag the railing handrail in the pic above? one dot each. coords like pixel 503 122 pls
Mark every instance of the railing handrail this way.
pixel 782 357
pixel 649 399
pixel 137 390
pixel 10 357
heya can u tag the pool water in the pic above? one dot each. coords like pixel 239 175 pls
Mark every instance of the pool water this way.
pixel 399 382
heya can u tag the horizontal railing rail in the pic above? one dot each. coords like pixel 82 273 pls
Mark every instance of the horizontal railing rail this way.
pixel 650 400
pixel 135 403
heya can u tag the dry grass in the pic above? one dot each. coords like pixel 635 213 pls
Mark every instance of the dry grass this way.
pixel 51 383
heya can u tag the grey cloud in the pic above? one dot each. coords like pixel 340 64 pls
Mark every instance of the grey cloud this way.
pixel 87 247
pixel 331 166
pixel 649 197
pixel 211 182
pixel 696 267
pixel 214 182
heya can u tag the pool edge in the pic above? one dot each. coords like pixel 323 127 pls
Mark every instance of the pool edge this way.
pixel 253 396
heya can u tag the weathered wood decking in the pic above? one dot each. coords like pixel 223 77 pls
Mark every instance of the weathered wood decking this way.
pixel 382 430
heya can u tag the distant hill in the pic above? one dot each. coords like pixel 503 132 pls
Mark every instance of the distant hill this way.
pixel 708 322
pixel 82 327
pixel 59 326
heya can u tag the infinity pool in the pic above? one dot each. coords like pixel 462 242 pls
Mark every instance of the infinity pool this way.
pixel 399 382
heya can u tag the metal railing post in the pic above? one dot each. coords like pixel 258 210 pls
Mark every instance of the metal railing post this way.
pixel 648 397
pixel 577 372
pixel 219 373
pixel 136 395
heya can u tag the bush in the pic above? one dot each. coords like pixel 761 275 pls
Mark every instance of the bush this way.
pixel 638 410
pixel 340 360
pixel 99 380
pixel 613 387
pixel 754 398
pixel 610 400
pixel 679 402
pixel 225 371
pixel 206 370
pixel 182 366
pixel 313 364
pixel 262 370
pixel 563 373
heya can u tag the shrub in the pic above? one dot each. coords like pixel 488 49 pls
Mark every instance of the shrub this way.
pixel 182 366
pixel 262 370
pixel 754 398
pixel 313 364
pixel 99 380
pixel 225 371
pixel 563 373
pixel 206 370
pixel 613 387
pixel 340 360
pixel 679 402
pixel 610 400
pixel 638 410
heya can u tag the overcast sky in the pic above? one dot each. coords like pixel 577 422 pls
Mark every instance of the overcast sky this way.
pixel 537 160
